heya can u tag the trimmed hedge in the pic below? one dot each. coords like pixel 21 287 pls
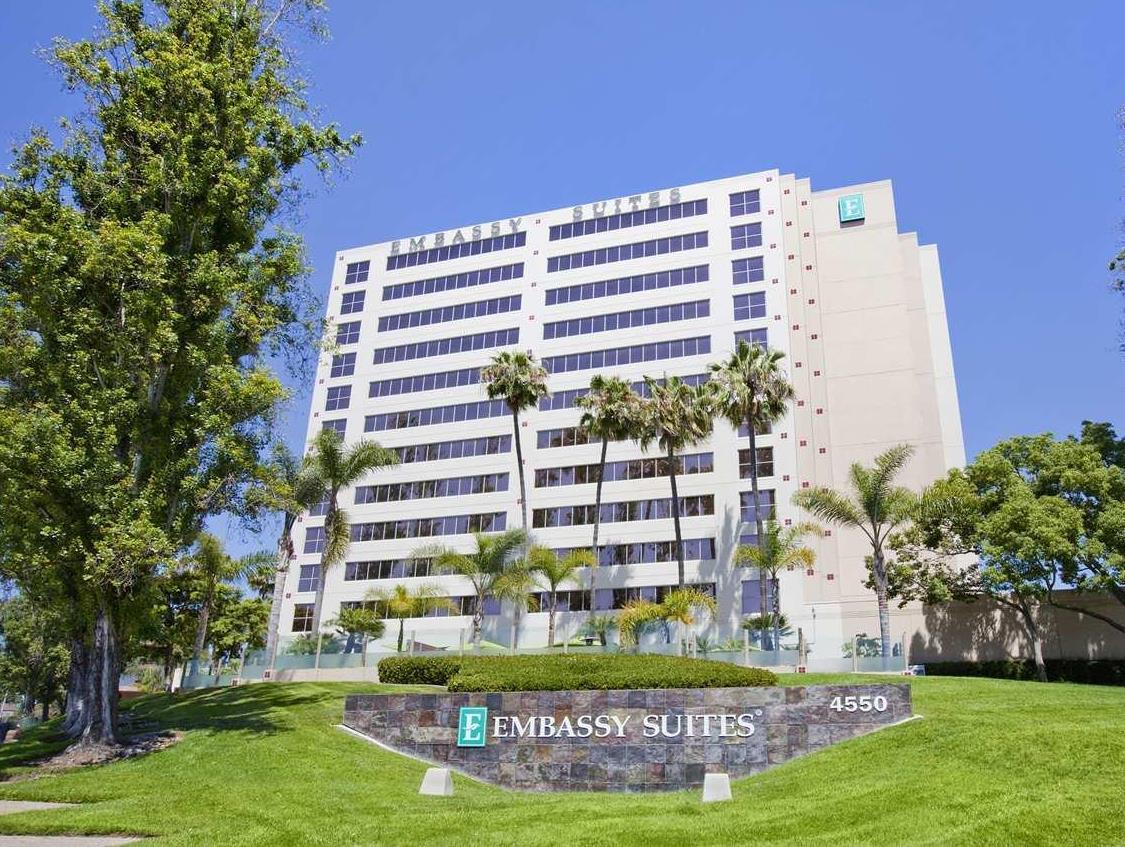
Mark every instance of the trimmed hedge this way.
pixel 1086 671
pixel 569 672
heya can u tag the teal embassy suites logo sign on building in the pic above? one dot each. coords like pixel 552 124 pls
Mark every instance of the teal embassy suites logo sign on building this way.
pixel 471 723
pixel 851 208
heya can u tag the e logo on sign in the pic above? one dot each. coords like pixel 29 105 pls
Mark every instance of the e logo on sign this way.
pixel 470 726
pixel 851 208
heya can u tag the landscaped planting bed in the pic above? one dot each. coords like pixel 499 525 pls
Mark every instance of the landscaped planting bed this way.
pixel 568 673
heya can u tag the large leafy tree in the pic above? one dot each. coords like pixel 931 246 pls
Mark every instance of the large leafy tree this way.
pixel 517 378
pixel 33 652
pixel 552 572
pixel 611 411
pixel 144 278
pixel 751 390
pixel 336 467
pixel 402 602
pixel 876 507
pixel 676 416
pixel 778 548
pixel 494 569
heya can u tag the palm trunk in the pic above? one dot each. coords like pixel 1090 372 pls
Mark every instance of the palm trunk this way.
pixel 880 574
pixel 284 557
pixel 318 601
pixel 478 619
pixel 676 518
pixel 401 632
pixel 1034 636
pixel 517 615
pixel 776 613
pixel 551 621
pixel 201 630
pixel 597 526
pixel 763 585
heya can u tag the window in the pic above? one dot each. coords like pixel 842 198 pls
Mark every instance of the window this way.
pixel 424 382
pixel 751 269
pixel 458 312
pixel 314 539
pixel 752 336
pixel 761 429
pixel 428 527
pixel 745 235
pixel 357 272
pixel 752 596
pixel 628 285
pixel 319 509
pixel 644 468
pixel 424 489
pixel 610 223
pixel 343 364
pixel 352 302
pixel 339 396
pixel 566 436
pixel 387 569
pixel 649 552
pixel 765 462
pixel 627 320
pixel 439 450
pixel 573 600
pixel 340 425
pixel 623 252
pixel 302 617
pixel 767 510
pixel 745 203
pixel 748 306
pixel 453 281
pixel 347 333
pixel 435 415
pixel 568 399
pixel 308 578
pixel 447 346
pixel 456 251
pixel 655 593
pixel 632 510
pixel 628 355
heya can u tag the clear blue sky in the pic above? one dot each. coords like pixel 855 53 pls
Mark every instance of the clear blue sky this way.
pixel 996 122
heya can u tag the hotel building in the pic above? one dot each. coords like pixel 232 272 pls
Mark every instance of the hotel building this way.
pixel 658 283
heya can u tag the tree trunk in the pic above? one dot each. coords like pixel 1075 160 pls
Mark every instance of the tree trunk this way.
pixel 99 725
pixel 401 632
pixel 318 600
pixel 284 557
pixel 363 651
pixel 77 687
pixel 478 620
pixel 517 615
pixel 1034 636
pixel 551 621
pixel 676 518
pixel 880 573
pixel 763 585
pixel 597 526
pixel 776 613
pixel 201 631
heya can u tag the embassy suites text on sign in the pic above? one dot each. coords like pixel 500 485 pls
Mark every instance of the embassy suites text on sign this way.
pixel 617 726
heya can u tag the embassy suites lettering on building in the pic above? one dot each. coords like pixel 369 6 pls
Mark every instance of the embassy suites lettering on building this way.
pixel 606 726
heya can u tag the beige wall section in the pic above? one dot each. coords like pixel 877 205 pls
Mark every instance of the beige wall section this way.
pixel 872 364
pixel 988 631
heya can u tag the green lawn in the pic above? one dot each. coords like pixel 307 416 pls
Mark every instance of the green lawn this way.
pixel 993 762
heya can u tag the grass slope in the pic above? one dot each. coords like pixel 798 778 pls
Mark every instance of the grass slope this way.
pixel 993 762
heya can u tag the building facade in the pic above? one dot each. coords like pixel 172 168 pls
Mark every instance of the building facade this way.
pixel 653 284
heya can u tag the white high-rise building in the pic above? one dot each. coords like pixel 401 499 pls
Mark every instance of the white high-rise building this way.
pixel 661 282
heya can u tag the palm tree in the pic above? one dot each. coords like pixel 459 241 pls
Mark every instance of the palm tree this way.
pixel 876 507
pixel 494 568
pixel 356 620
pixel 610 412
pixel 521 382
pixel 750 389
pixel 677 415
pixel 554 573
pixel 402 603
pixel 338 467
pixel 776 550
pixel 214 567
pixel 294 488
pixel 682 605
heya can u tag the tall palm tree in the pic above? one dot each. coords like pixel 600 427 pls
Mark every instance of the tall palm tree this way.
pixel 294 488
pixel 402 603
pixel 210 562
pixel 521 382
pixel 554 572
pixel 610 412
pixel 494 568
pixel 337 467
pixel 876 507
pixel 751 389
pixel 677 415
pixel 777 549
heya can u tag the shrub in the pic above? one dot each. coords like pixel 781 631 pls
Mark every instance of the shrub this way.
pixel 1090 672
pixel 569 672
